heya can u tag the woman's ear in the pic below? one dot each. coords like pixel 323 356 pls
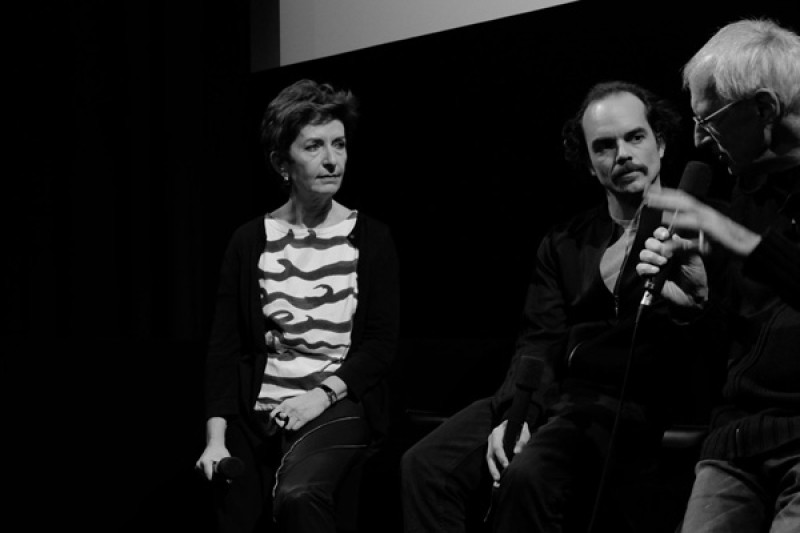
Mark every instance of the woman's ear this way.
pixel 277 163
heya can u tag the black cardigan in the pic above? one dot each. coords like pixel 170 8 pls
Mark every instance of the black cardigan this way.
pixel 237 350
pixel 760 407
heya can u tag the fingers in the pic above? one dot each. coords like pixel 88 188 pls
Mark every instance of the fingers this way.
pixel 679 246
pixel 652 257
pixel 524 437
pixel 289 421
pixel 660 234
pixel 284 420
pixel 490 462
pixel 202 470
pixel 294 423
pixel 279 417
pixel 662 246
pixel 205 468
pixel 671 199
pixel 683 212
pixel 495 455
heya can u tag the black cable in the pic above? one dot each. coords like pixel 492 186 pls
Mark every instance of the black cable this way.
pixel 617 417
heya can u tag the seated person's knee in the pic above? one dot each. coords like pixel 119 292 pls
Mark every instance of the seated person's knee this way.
pixel 300 498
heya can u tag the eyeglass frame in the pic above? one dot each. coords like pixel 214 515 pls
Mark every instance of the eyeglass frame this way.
pixel 705 123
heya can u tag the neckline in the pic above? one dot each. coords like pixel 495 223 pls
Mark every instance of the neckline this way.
pixel 316 229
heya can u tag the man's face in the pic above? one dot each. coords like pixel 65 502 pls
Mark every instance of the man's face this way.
pixel 624 153
pixel 731 129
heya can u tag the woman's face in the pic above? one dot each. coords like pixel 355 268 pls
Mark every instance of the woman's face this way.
pixel 317 159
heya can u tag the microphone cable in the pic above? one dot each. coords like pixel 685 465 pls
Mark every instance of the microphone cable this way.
pixel 615 427
pixel 696 180
pixel 624 387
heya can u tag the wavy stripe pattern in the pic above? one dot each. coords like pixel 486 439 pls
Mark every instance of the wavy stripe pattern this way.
pixel 308 288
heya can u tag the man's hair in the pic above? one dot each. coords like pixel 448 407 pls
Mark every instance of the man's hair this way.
pixel 746 56
pixel 303 103
pixel 661 116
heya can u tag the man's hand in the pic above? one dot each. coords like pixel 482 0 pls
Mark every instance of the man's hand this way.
pixel 496 457
pixel 687 213
pixel 689 288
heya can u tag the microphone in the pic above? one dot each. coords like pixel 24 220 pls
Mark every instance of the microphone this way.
pixel 696 180
pixel 228 468
pixel 528 377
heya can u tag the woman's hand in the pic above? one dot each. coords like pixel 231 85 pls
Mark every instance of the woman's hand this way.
pixel 212 455
pixel 296 412
pixel 215 450
pixel 496 457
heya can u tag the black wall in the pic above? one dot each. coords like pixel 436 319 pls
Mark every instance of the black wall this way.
pixel 140 157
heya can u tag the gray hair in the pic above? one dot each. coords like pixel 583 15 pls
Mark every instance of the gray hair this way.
pixel 746 56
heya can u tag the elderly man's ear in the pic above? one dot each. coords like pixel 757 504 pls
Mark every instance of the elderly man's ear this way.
pixel 768 105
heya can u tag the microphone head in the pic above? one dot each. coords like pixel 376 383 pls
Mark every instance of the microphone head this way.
pixel 696 179
pixel 229 468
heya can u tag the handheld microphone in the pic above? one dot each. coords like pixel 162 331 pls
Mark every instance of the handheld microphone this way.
pixel 528 378
pixel 696 180
pixel 228 468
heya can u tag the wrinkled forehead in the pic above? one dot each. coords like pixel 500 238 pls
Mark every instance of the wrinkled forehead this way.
pixel 326 132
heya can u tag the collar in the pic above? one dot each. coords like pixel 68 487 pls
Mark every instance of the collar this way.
pixel 773 172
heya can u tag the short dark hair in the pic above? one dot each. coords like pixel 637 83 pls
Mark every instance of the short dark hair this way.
pixel 300 104
pixel 660 113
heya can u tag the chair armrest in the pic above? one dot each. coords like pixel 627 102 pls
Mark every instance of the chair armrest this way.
pixel 419 417
pixel 683 437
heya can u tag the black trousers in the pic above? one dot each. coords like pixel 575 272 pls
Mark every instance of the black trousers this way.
pixel 549 487
pixel 291 480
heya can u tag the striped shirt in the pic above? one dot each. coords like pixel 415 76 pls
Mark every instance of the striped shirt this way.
pixel 309 290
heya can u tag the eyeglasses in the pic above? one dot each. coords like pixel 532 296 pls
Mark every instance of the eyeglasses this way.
pixel 705 123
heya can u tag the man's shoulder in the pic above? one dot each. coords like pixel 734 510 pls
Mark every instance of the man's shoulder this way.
pixel 581 222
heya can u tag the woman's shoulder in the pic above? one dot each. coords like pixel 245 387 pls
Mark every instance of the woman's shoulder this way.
pixel 369 227
pixel 252 230
pixel 369 220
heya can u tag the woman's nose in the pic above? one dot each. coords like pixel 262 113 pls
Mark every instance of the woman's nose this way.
pixel 329 158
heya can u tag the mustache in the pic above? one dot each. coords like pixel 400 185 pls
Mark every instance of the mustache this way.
pixel 628 168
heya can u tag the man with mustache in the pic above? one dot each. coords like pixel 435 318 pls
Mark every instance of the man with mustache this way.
pixel 745 94
pixel 579 322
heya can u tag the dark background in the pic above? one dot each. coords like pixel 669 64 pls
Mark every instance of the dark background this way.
pixel 140 157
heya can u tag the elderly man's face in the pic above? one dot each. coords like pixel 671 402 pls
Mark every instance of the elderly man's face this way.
pixel 732 129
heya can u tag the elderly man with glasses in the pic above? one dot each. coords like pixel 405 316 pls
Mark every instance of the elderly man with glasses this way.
pixel 745 94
